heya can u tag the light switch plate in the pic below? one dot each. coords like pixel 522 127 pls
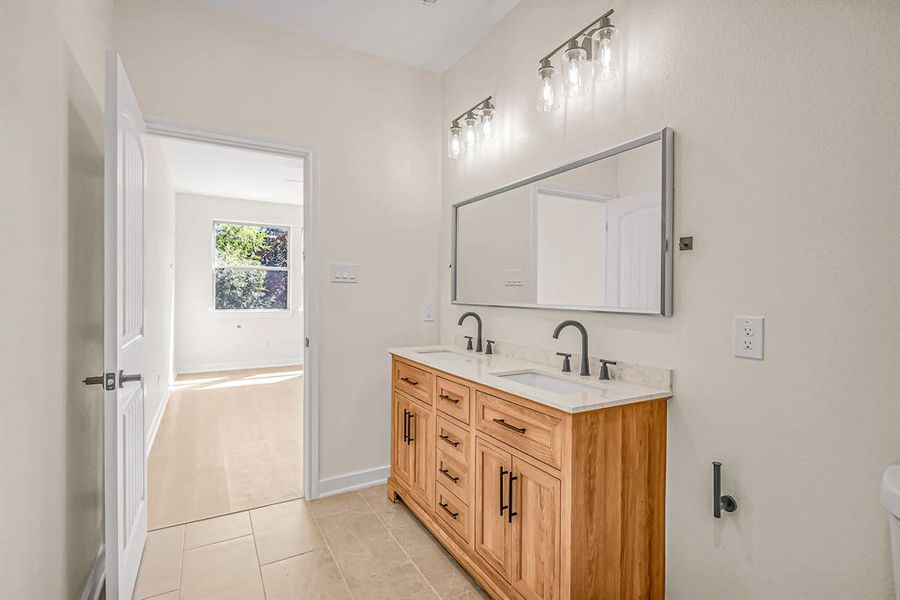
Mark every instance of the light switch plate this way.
pixel 428 311
pixel 749 335
pixel 515 278
pixel 344 273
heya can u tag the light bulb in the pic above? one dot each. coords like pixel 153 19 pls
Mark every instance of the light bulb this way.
pixel 605 50
pixel 574 64
pixel 470 134
pixel 487 123
pixel 454 141
pixel 548 98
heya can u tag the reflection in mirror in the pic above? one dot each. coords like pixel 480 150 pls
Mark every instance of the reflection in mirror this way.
pixel 589 237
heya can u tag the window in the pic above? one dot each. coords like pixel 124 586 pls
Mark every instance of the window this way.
pixel 251 266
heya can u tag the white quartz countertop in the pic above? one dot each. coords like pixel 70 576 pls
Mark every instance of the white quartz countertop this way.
pixel 485 370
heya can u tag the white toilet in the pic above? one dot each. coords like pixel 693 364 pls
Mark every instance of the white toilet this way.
pixel 890 499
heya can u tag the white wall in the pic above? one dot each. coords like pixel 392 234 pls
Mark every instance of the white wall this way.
pixel 51 278
pixel 375 127
pixel 206 340
pixel 159 284
pixel 787 167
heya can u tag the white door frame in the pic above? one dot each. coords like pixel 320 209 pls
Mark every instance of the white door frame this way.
pixel 173 129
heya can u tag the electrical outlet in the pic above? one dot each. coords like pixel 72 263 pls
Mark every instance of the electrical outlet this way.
pixel 428 311
pixel 749 337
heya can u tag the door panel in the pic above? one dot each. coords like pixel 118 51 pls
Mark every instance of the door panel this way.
pixel 403 455
pixel 535 532
pixel 492 531
pixel 421 429
pixel 125 476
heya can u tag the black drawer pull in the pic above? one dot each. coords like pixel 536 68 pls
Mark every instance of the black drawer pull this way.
pixel 449 398
pixel 511 514
pixel 405 426
pixel 508 426
pixel 409 436
pixel 448 475
pixel 450 441
pixel 449 512
pixel 503 473
pixel 409 381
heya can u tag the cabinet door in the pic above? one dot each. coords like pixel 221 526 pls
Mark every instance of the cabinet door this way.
pixel 403 454
pixel 534 569
pixel 422 443
pixel 492 530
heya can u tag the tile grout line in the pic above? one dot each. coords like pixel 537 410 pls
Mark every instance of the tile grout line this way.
pixel 227 514
pixel 262 582
pixel 402 547
pixel 331 552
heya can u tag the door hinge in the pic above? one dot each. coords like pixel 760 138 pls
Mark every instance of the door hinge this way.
pixel 307 342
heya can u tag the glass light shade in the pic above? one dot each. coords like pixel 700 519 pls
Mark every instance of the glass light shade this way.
pixel 487 124
pixel 576 71
pixel 548 95
pixel 470 133
pixel 455 142
pixel 605 52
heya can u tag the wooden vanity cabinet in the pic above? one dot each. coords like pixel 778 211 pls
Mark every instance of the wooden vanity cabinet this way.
pixel 547 505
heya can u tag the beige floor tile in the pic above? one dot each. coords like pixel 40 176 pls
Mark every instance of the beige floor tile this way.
pixel 435 563
pixel 170 596
pixel 160 569
pixel 310 576
pixel 335 505
pixel 402 582
pixel 284 530
pixel 217 529
pixel 223 571
pixel 393 515
pixel 360 543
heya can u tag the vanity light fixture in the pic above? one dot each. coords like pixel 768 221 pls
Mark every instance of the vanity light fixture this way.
pixel 590 55
pixel 471 129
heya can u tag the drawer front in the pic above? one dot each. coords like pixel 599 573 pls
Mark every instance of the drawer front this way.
pixel 453 399
pixel 415 382
pixel 452 474
pixel 452 514
pixel 452 440
pixel 533 432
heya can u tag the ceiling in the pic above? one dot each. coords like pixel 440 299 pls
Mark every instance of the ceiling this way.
pixel 213 170
pixel 428 35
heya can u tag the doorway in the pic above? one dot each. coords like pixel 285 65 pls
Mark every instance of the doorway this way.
pixel 232 431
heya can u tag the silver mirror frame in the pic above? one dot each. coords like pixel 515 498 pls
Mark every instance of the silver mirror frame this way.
pixel 666 136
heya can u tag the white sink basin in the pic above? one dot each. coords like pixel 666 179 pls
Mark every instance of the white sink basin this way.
pixel 540 380
pixel 448 355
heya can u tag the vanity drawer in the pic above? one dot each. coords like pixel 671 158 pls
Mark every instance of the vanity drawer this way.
pixel 453 399
pixel 452 514
pixel 535 433
pixel 452 474
pixel 415 382
pixel 452 440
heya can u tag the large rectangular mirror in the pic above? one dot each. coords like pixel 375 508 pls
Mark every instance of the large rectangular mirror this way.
pixel 595 234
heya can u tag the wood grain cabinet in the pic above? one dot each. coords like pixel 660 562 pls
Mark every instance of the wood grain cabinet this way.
pixel 536 503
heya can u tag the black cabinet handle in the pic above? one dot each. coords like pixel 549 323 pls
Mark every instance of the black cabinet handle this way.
pixel 720 502
pixel 508 426
pixel 444 505
pixel 449 398
pixel 411 416
pixel 409 381
pixel 447 439
pixel 503 473
pixel 447 474
pixel 511 514
pixel 405 426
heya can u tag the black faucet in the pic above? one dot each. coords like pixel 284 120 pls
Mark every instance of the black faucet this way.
pixel 462 318
pixel 585 367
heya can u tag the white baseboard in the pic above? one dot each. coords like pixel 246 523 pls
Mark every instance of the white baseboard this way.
pixel 353 481
pixel 95 579
pixel 253 364
pixel 157 419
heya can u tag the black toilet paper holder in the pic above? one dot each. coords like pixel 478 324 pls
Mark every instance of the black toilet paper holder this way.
pixel 720 502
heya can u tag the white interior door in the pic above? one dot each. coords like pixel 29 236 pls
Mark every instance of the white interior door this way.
pixel 125 476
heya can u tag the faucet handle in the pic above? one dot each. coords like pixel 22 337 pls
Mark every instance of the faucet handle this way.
pixel 469 343
pixel 604 368
pixel 567 366
pixel 490 346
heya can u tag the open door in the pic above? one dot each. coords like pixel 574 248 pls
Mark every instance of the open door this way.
pixel 125 478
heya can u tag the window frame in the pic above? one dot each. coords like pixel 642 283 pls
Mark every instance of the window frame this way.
pixel 288 310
